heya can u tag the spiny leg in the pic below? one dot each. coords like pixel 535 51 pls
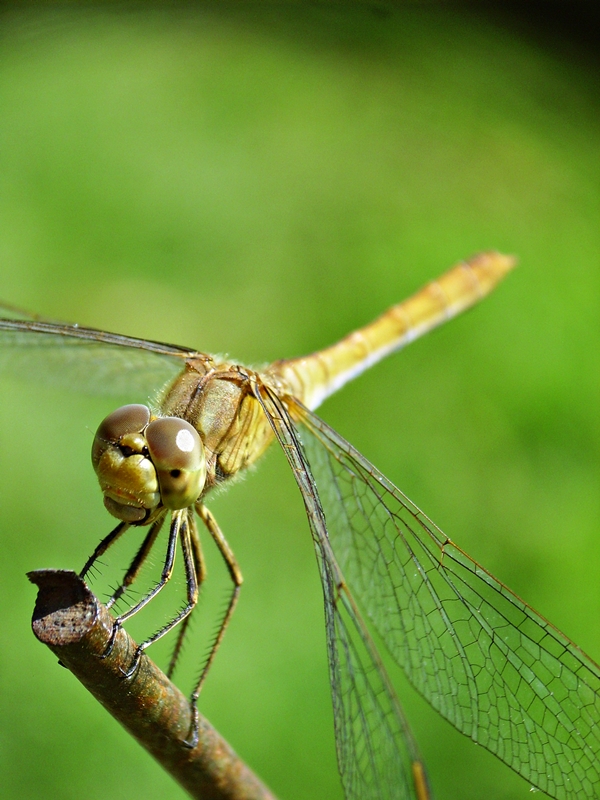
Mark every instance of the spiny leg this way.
pixel 103 547
pixel 138 560
pixel 200 567
pixel 179 527
pixel 177 520
pixel 236 576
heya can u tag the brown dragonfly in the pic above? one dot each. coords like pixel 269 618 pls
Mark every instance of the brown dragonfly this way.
pixel 483 658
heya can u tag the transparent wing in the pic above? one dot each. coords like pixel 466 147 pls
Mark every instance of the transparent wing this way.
pixel 84 359
pixel 490 664
pixel 377 755
pixel 14 312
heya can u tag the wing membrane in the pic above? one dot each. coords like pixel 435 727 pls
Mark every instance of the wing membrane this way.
pixel 85 359
pixel 14 312
pixel 377 755
pixel 490 664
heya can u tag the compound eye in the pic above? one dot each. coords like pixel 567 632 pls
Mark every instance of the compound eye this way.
pixel 178 456
pixel 129 419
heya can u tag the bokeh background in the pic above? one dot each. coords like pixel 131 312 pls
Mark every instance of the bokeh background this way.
pixel 259 180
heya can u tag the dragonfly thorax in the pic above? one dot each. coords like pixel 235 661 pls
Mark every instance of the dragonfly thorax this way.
pixel 219 401
pixel 145 463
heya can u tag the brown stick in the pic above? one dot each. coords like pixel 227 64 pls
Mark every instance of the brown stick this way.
pixel 77 628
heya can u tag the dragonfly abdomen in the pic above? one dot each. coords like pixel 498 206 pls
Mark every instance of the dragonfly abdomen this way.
pixel 313 378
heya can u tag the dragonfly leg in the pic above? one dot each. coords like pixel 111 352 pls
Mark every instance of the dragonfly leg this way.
pixel 200 568
pixel 177 521
pixel 100 549
pixel 137 562
pixel 236 576
pixel 103 547
pixel 179 528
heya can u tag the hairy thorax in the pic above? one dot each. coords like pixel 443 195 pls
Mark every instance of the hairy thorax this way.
pixel 218 400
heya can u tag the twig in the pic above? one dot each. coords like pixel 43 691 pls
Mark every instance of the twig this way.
pixel 77 628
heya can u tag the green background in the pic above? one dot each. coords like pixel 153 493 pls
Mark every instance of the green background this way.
pixel 259 180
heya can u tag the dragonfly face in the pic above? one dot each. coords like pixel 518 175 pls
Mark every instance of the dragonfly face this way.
pixel 145 464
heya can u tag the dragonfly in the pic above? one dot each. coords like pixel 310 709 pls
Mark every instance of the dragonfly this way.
pixel 484 659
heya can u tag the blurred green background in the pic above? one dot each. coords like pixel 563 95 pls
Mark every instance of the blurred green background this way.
pixel 259 180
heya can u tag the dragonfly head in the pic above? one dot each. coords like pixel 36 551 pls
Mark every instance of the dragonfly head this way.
pixel 143 463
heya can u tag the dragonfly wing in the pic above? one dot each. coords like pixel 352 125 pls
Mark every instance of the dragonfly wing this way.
pixel 85 359
pixel 14 312
pixel 377 755
pixel 490 664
